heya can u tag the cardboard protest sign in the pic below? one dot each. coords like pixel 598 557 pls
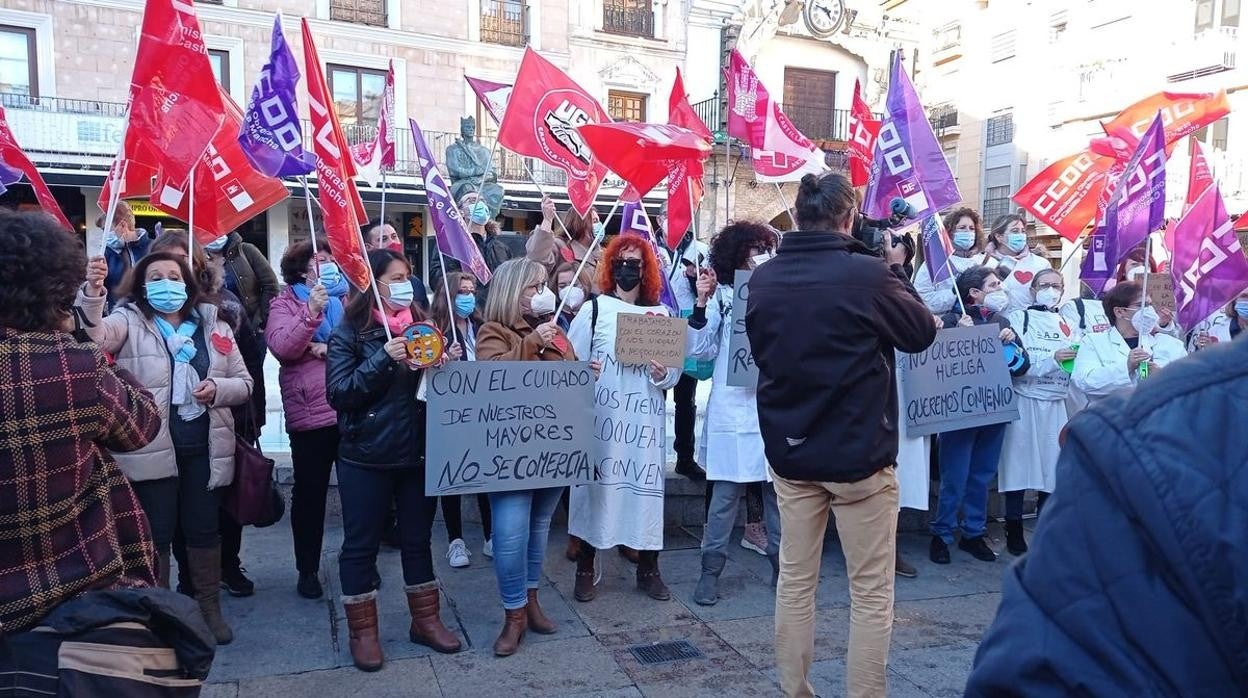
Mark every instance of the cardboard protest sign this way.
pixel 495 426
pixel 959 382
pixel 1161 291
pixel 640 339
pixel 1243 241
pixel 742 373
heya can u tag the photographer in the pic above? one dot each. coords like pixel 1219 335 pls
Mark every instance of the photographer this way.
pixel 875 232
pixel 824 319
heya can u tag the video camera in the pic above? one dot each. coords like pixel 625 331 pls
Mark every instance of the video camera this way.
pixel 871 231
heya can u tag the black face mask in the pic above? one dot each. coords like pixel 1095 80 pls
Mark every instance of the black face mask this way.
pixel 627 278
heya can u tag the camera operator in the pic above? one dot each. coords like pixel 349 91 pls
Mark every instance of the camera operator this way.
pixel 824 318
pixel 875 233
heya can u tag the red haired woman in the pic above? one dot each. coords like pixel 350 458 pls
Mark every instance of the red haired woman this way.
pixel 625 505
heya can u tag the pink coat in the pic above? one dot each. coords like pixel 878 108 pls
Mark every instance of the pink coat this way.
pixel 302 375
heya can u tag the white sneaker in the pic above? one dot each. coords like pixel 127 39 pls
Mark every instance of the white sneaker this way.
pixel 488 549
pixel 457 554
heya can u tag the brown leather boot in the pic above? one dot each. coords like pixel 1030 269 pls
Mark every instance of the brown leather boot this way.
pixel 362 629
pixel 628 553
pixel 427 628
pixel 584 589
pixel 573 549
pixel 648 578
pixel 538 622
pixel 205 567
pixel 515 623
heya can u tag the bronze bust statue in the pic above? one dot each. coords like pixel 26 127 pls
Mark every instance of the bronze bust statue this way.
pixel 471 169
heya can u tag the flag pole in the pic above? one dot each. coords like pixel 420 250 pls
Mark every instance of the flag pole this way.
pixel 382 217
pixel 693 224
pixel 114 195
pixel 541 191
pixel 372 281
pixel 785 204
pixel 588 253
pixel 190 219
pixel 450 305
pixel 307 200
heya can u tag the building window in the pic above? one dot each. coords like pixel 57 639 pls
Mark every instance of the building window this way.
pixel 503 22
pixel 948 36
pixel 630 17
pixel 220 61
pixel 1003 46
pixel 810 103
pixel 371 12
pixel 1000 130
pixel 1214 135
pixel 18 68
pixel 626 106
pixel 996 203
pixel 951 156
pixel 357 94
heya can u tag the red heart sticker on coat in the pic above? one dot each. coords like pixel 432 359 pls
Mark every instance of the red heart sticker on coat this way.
pixel 1065 329
pixel 1023 277
pixel 222 343
pixel 560 343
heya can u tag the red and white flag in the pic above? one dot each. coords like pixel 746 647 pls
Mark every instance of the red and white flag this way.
pixel 643 154
pixel 864 128
pixel 780 152
pixel 545 110
pixel 11 154
pixel 492 95
pixel 1182 114
pixel 685 179
pixel 340 201
pixel 175 105
pixel 378 154
pixel 1065 196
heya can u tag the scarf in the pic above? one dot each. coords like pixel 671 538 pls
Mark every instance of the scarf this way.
pixel 181 345
pixel 397 322
pixel 330 316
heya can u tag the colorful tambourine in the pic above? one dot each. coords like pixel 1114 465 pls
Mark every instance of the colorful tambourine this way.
pixel 425 344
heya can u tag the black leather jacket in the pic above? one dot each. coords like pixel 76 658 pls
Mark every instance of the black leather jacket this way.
pixel 381 422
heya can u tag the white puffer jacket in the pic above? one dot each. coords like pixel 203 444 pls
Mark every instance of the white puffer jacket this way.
pixel 137 345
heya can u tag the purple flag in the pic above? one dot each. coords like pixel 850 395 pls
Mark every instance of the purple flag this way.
pixel 9 175
pixel 1136 208
pixel 448 224
pixel 634 221
pixel 1209 268
pixel 908 162
pixel 936 248
pixel 271 137
pixel 492 95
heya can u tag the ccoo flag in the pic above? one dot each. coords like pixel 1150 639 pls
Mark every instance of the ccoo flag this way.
pixel 271 137
pixel 864 128
pixel 634 221
pixel 448 223
pixel 908 162
pixel 1209 269
pixel 936 248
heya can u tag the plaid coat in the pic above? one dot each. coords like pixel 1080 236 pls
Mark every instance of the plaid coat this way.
pixel 69 521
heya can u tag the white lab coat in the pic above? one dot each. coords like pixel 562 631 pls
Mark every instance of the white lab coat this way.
pixel 697 253
pixel 1029 454
pixel 1218 326
pixel 914 474
pixel 940 297
pixel 624 506
pixel 1018 282
pixel 1101 366
pixel 731 447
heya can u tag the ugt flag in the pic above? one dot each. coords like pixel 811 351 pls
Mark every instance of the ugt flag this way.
pixel 448 224
pixel 175 105
pixel 1209 268
pixel 780 153
pixel 492 95
pixel 378 154
pixel 14 164
pixel 271 137
pixel 684 179
pixel 545 111
pixel 908 162
pixel 864 128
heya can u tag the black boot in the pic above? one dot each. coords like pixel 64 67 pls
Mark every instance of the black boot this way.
pixel 1014 540
pixel 690 469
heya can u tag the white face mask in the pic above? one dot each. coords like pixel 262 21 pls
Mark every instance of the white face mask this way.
pixel 543 303
pixel 573 297
pixel 758 260
pixel 1135 274
pixel 1049 297
pixel 997 301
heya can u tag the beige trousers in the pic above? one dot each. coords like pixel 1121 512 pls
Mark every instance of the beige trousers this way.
pixel 866 522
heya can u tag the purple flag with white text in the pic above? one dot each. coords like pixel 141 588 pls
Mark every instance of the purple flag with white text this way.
pixel 634 221
pixel 1136 208
pixel 271 137
pixel 9 176
pixel 1209 269
pixel 448 224
pixel 936 248
pixel 908 162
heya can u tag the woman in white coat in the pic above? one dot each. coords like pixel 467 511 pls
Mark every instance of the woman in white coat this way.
pixel 1221 327
pixel 1029 456
pixel 967 234
pixel 624 506
pixel 1111 361
pixel 732 444
pixel 1016 263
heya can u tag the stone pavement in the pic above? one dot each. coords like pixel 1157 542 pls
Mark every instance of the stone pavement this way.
pixel 289 646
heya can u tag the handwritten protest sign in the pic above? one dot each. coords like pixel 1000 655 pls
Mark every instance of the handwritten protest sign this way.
pixel 742 373
pixel 959 382
pixel 508 425
pixel 1161 291
pixel 1243 241
pixel 629 416
pixel 640 339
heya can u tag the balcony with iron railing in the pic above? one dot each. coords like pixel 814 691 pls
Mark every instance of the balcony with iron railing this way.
pixel 1207 52
pixel 819 123
pixel 944 120
pixel 370 12
pixel 504 22
pixel 628 17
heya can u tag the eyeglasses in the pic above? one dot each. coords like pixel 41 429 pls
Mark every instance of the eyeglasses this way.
pixel 634 264
pixel 1053 285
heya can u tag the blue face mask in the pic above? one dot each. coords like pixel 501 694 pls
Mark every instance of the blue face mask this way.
pixel 1241 309
pixel 166 295
pixel 964 239
pixel 479 213
pixel 218 244
pixel 465 303
pixel 600 231
pixel 329 274
pixel 401 294
pixel 1016 241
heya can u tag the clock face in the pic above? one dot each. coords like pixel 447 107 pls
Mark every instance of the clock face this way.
pixel 824 17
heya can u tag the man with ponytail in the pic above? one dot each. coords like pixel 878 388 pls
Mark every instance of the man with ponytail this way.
pixel 824 319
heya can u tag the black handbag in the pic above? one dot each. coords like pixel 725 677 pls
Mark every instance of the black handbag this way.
pixel 252 499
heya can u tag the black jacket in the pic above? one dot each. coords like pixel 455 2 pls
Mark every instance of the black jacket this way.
pixel 381 422
pixel 823 319
pixel 982 316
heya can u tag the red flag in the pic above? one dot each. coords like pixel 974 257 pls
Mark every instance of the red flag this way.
pixel 1181 115
pixel 11 154
pixel 340 201
pixel 1064 196
pixel 864 128
pixel 543 114
pixel 374 156
pixel 175 106
pixel 136 180
pixel 641 154
pixel 681 113
pixel 1199 175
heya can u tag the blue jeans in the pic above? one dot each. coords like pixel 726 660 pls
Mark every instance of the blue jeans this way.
pixel 366 494
pixel 521 527
pixel 722 516
pixel 968 462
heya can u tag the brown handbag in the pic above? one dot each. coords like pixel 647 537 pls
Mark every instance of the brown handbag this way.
pixel 252 500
